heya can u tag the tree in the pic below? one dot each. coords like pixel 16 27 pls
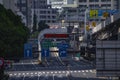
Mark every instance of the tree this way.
pixel 13 34
pixel 42 25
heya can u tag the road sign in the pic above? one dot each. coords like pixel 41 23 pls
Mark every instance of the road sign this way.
pixel 62 45
pixel 56 35
pixel 45 52
pixel 27 50
pixel 62 52
pixel 93 23
pixel 1 62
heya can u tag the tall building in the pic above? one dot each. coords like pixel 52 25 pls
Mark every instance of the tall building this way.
pixel 24 7
pixel 40 8
pixel 1 1
pixel 10 4
pixel 43 11
pixel 60 3
pixel 77 14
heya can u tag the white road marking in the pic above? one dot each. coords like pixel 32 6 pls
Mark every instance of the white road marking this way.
pixel 10 74
pixel 31 73
pixel 90 70
pixel 43 72
pixel 36 73
pixel 79 71
pixel 63 71
pixel 59 71
pixel 83 71
pixel 19 74
pixel 55 71
pixel 71 71
pixel 86 70
pixel 23 74
pixel 75 71
pixel 51 72
pixel 48 72
pixel 27 73
pixel 15 74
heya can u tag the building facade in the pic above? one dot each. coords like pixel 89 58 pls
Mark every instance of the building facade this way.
pixel 40 8
pixel 44 12
pixel 74 15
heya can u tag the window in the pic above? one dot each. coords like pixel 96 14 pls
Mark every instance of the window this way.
pixel 93 0
pixel 82 0
pixel 23 1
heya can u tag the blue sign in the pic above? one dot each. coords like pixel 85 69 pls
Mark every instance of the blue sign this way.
pixel 62 45
pixel 27 50
pixel 45 52
pixel 62 52
pixel 100 12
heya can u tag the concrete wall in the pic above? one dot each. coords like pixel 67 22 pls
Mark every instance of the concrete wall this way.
pixel 108 58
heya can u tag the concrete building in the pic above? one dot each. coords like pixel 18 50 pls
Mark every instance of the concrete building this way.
pixel 24 7
pixel 60 3
pixel 1 1
pixel 44 12
pixel 9 4
pixel 78 13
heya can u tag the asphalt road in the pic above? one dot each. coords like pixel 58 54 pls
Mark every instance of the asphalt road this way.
pixel 55 70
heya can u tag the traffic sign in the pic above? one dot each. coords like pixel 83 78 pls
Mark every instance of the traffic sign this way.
pixel 45 52
pixel 27 50
pixel 1 62
pixel 62 52
pixel 93 23
pixel 62 45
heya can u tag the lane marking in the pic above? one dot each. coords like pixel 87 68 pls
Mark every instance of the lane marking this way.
pixel 79 71
pixel 86 70
pixel 83 71
pixel 59 72
pixel 75 71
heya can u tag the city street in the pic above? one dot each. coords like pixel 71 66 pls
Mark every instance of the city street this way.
pixel 30 70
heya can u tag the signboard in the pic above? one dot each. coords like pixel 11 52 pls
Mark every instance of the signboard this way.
pixel 62 52
pixel 62 45
pixel 27 50
pixel 56 35
pixel 45 53
pixel 93 13
pixel 97 13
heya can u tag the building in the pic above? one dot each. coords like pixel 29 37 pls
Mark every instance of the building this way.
pixel 9 4
pixel 44 12
pixel 60 3
pixel 71 14
pixel 40 8
pixel 1 1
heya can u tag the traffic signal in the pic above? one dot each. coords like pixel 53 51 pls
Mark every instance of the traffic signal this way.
pixel 94 24
pixel 87 27
pixel 105 14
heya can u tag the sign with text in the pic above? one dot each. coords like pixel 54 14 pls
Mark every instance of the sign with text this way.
pixel 45 53
pixel 27 50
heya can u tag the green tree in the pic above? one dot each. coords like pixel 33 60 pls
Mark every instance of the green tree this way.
pixel 42 25
pixel 13 34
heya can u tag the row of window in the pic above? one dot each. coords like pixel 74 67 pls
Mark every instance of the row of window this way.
pixel 94 0
pixel 48 21
pixel 96 5
pixel 46 12
pixel 49 17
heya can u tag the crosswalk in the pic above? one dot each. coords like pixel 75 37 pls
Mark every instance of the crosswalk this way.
pixel 52 67
pixel 36 73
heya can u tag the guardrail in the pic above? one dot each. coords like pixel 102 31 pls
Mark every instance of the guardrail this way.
pixel 108 21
